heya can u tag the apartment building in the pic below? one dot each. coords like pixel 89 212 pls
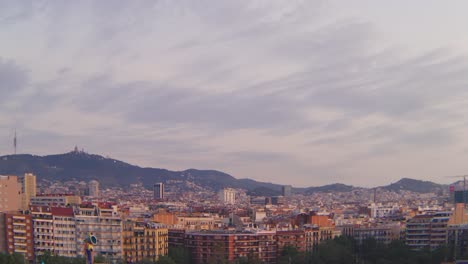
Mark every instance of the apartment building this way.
pixel 220 245
pixel 19 235
pixel 428 230
pixel 10 193
pixel 291 238
pixel 144 240
pixel 28 189
pixel 57 200
pixel 227 195
pixel 64 231
pixel 383 233
pixel 43 228
pixel 104 222
pixel 196 222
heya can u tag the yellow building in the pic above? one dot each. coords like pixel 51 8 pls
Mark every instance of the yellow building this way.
pixel 144 241
pixel 28 188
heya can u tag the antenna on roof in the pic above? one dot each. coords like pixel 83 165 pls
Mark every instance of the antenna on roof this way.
pixel 15 142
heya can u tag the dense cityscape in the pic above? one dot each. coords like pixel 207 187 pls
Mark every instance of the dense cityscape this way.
pixel 233 132
pixel 43 220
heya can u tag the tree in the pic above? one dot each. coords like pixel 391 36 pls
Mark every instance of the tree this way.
pixel 165 260
pixel 180 255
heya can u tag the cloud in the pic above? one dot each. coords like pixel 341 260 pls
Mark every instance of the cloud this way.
pixel 13 79
pixel 272 86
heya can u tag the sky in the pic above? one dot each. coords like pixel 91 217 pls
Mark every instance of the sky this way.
pixel 301 92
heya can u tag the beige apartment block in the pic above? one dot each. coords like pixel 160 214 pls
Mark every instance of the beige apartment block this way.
pixel 28 188
pixel 10 193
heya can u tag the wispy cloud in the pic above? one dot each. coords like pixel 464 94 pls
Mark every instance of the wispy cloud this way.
pixel 258 88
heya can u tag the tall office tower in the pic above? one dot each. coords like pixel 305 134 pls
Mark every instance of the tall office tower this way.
pixel 227 195
pixel 10 193
pixel 286 190
pixel 28 188
pixel 93 188
pixel 158 190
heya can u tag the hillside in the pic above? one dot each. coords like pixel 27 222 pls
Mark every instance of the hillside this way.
pixel 406 184
pixel 110 172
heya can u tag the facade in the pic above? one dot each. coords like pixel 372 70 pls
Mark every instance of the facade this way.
pixel 427 230
pixel 158 191
pixel 381 211
pixel 165 217
pixel 104 222
pixel 196 222
pixel 43 228
pixel 383 233
pixel 64 231
pixel 19 235
pixel 56 200
pixel 28 188
pixel 457 238
pixel 291 238
pixel 10 193
pixel 176 238
pixel 93 188
pixel 144 241
pixel 227 196
pixel 3 246
pixel 215 246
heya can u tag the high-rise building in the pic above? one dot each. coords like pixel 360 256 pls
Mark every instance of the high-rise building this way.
pixel 227 195
pixel 93 188
pixel 10 193
pixel 286 190
pixel 28 189
pixel 158 190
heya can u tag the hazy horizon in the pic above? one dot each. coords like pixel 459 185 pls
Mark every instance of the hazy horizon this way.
pixel 298 92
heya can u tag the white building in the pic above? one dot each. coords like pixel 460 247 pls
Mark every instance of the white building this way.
pixel 380 211
pixel 64 231
pixel 93 188
pixel 227 196
pixel 43 228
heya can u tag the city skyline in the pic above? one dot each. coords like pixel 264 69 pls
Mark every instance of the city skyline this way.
pixel 293 92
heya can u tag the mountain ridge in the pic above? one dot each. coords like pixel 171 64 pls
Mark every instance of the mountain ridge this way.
pixel 111 172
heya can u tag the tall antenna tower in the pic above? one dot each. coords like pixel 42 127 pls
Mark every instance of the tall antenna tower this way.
pixel 15 142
